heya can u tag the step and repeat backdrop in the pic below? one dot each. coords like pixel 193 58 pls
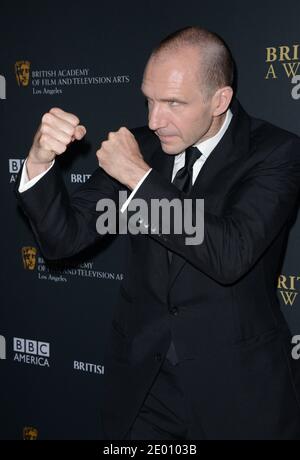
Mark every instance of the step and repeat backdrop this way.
pixel 88 59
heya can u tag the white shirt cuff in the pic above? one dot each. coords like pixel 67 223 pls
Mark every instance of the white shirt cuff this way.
pixel 125 205
pixel 25 183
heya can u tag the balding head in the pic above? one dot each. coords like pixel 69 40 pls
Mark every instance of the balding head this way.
pixel 216 67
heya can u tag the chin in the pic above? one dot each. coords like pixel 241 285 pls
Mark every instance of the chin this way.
pixel 171 150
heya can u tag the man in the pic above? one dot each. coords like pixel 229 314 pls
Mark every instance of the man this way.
pixel 199 348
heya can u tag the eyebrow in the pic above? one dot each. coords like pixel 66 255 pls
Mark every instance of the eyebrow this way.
pixel 166 99
pixel 175 99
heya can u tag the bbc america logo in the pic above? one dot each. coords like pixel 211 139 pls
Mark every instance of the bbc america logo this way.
pixel 32 352
pixel 27 351
pixel 31 347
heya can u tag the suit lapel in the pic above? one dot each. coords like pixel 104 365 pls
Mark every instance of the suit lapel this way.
pixel 163 163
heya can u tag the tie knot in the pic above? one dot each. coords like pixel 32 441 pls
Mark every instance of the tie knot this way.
pixel 184 177
pixel 191 156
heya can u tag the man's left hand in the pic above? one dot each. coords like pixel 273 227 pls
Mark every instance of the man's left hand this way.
pixel 121 158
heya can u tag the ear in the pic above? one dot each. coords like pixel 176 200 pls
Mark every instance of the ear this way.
pixel 221 100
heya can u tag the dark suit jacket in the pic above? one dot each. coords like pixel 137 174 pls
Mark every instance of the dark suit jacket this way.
pixel 217 300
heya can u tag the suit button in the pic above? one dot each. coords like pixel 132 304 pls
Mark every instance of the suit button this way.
pixel 174 311
pixel 158 357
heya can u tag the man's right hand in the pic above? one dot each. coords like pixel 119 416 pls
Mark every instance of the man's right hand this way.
pixel 56 131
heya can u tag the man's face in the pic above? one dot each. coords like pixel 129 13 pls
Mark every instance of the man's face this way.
pixel 178 112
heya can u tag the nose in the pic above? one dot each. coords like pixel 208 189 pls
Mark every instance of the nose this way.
pixel 156 117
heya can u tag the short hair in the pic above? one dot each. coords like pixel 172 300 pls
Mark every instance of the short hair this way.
pixel 217 64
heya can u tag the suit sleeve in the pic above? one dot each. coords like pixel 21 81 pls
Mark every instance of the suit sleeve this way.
pixel 255 213
pixel 65 225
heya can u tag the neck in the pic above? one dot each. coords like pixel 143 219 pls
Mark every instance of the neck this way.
pixel 215 126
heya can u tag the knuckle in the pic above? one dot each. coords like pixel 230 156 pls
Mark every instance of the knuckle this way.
pixel 66 138
pixel 43 128
pixel 74 121
pixel 46 118
pixel 99 154
pixel 69 131
pixel 54 109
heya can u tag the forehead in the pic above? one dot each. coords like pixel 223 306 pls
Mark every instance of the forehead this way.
pixel 173 71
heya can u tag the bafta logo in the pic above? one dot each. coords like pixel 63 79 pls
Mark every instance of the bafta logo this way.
pixel 30 433
pixel 29 257
pixel 22 69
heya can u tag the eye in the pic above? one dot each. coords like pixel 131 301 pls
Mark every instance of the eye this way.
pixel 173 103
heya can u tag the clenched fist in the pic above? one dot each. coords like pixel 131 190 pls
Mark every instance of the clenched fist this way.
pixel 56 131
pixel 121 158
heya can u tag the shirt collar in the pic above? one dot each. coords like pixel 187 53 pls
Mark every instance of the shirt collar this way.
pixel 207 146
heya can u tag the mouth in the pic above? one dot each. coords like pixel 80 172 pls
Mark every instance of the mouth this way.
pixel 165 138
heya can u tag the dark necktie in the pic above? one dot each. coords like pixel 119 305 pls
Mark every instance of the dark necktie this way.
pixel 184 177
